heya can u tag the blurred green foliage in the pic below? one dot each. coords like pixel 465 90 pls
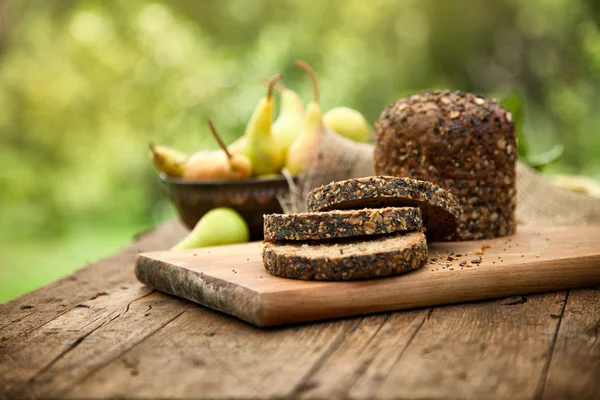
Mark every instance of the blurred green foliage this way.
pixel 86 84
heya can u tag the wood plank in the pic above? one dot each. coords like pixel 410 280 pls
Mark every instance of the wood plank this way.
pixel 54 299
pixel 139 320
pixel 22 358
pixel 574 371
pixel 232 279
pixel 12 319
pixel 182 352
pixel 39 327
pixel 199 356
pixel 492 350
pixel 373 347
pixel 100 349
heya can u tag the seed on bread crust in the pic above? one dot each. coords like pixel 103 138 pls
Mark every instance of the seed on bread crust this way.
pixel 363 258
pixel 440 209
pixel 465 143
pixel 341 223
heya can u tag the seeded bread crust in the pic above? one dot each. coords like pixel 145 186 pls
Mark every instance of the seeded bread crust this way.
pixel 341 223
pixel 465 143
pixel 440 209
pixel 363 258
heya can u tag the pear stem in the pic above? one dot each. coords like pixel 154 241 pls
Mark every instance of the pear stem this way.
pixel 272 83
pixel 222 145
pixel 280 87
pixel 304 66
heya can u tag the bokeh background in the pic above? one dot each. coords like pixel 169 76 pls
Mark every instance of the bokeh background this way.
pixel 85 85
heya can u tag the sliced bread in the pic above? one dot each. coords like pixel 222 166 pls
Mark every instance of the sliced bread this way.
pixel 440 209
pixel 364 258
pixel 341 223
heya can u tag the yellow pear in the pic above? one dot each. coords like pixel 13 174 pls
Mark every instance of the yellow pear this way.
pixel 170 162
pixel 237 145
pixel 288 124
pixel 206 166
pixel 217 165
pixel 258 143
pixel 304 149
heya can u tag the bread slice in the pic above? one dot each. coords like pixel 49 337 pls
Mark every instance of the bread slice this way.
pixel 440 209
pixel 363 258
pixel 342 223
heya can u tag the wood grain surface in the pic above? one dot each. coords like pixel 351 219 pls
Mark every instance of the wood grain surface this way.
pixel 97 334
pixel 232 279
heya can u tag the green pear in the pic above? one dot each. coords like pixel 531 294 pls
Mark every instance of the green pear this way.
pixel 288 124
pixel 258 142
pixel 301 153
pixel 170 162
pixel 217 227
pixel 348 122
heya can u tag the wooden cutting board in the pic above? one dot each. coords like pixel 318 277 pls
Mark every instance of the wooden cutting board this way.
pixel 232 279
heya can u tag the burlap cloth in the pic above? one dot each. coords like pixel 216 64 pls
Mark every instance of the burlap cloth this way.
pixel 542 203
pixel 539 202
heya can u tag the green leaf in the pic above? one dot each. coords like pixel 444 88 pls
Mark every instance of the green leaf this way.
pixel 512 102
pixel 540 160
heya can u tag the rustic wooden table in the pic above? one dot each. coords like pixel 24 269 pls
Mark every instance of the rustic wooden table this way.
pixel 99 333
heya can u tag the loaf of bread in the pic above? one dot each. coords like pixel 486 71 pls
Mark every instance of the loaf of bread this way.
pixel 463 142
pixel 440 209
pixel 341 223
pixel 362 258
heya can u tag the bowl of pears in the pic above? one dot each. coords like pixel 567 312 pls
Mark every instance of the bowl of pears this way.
pixel 247 175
